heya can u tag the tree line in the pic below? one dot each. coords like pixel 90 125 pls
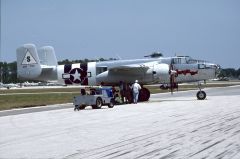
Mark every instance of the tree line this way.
pixel 8 71
pixel 230 73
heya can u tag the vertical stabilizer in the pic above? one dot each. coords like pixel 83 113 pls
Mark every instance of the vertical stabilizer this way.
pixel 28 63
pixel 47 56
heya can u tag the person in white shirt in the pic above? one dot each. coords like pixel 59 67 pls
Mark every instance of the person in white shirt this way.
pixel 136 88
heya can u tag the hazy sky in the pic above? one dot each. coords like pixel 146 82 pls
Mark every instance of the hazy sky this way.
pixel 78 29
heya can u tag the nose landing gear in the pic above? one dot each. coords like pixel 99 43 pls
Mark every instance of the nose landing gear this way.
pixel 201 95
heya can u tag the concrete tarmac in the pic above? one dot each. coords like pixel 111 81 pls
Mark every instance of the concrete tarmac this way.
pixel 168 126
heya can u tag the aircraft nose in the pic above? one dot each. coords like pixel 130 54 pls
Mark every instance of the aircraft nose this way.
pixel 217 69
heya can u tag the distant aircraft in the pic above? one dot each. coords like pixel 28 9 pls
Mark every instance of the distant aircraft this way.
pixel 8 86
pixel 41 64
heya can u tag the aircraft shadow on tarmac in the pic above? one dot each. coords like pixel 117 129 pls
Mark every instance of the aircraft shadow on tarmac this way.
pixel 89 108
pixel 169 100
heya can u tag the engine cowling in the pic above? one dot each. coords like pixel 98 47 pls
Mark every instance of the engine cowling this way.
pixel 161 73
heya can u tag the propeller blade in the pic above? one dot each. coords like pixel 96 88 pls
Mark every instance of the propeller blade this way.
pixel 172 75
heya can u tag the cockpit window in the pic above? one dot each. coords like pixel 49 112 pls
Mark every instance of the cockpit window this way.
pixel 192 61
pixel 201 66
pixel 210 66
pixel 179 60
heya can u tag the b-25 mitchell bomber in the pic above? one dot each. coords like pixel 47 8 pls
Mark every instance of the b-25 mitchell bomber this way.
pixel 41 64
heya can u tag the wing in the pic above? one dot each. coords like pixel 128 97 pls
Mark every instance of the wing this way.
pixel 131 68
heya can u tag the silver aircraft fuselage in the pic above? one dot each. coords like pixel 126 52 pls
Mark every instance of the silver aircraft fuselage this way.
pixel 42 65
pixel 147 71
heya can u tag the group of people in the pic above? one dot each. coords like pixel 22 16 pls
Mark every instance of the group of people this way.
pixel 129 93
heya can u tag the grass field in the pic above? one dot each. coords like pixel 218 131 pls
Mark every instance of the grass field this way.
pixel 21 98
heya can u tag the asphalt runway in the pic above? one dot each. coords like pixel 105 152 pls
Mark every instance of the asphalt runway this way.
pixel 168 126
pixel 219 91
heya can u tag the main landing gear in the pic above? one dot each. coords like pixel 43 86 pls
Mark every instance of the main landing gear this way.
pixel 144 95
pixel 201 95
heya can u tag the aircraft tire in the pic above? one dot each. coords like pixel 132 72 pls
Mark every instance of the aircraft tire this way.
pixel 144 95
pixel 201 95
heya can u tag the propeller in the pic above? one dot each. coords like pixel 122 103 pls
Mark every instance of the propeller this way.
pixel 172 75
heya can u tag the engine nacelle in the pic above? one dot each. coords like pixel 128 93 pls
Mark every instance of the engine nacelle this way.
pixel 161 73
